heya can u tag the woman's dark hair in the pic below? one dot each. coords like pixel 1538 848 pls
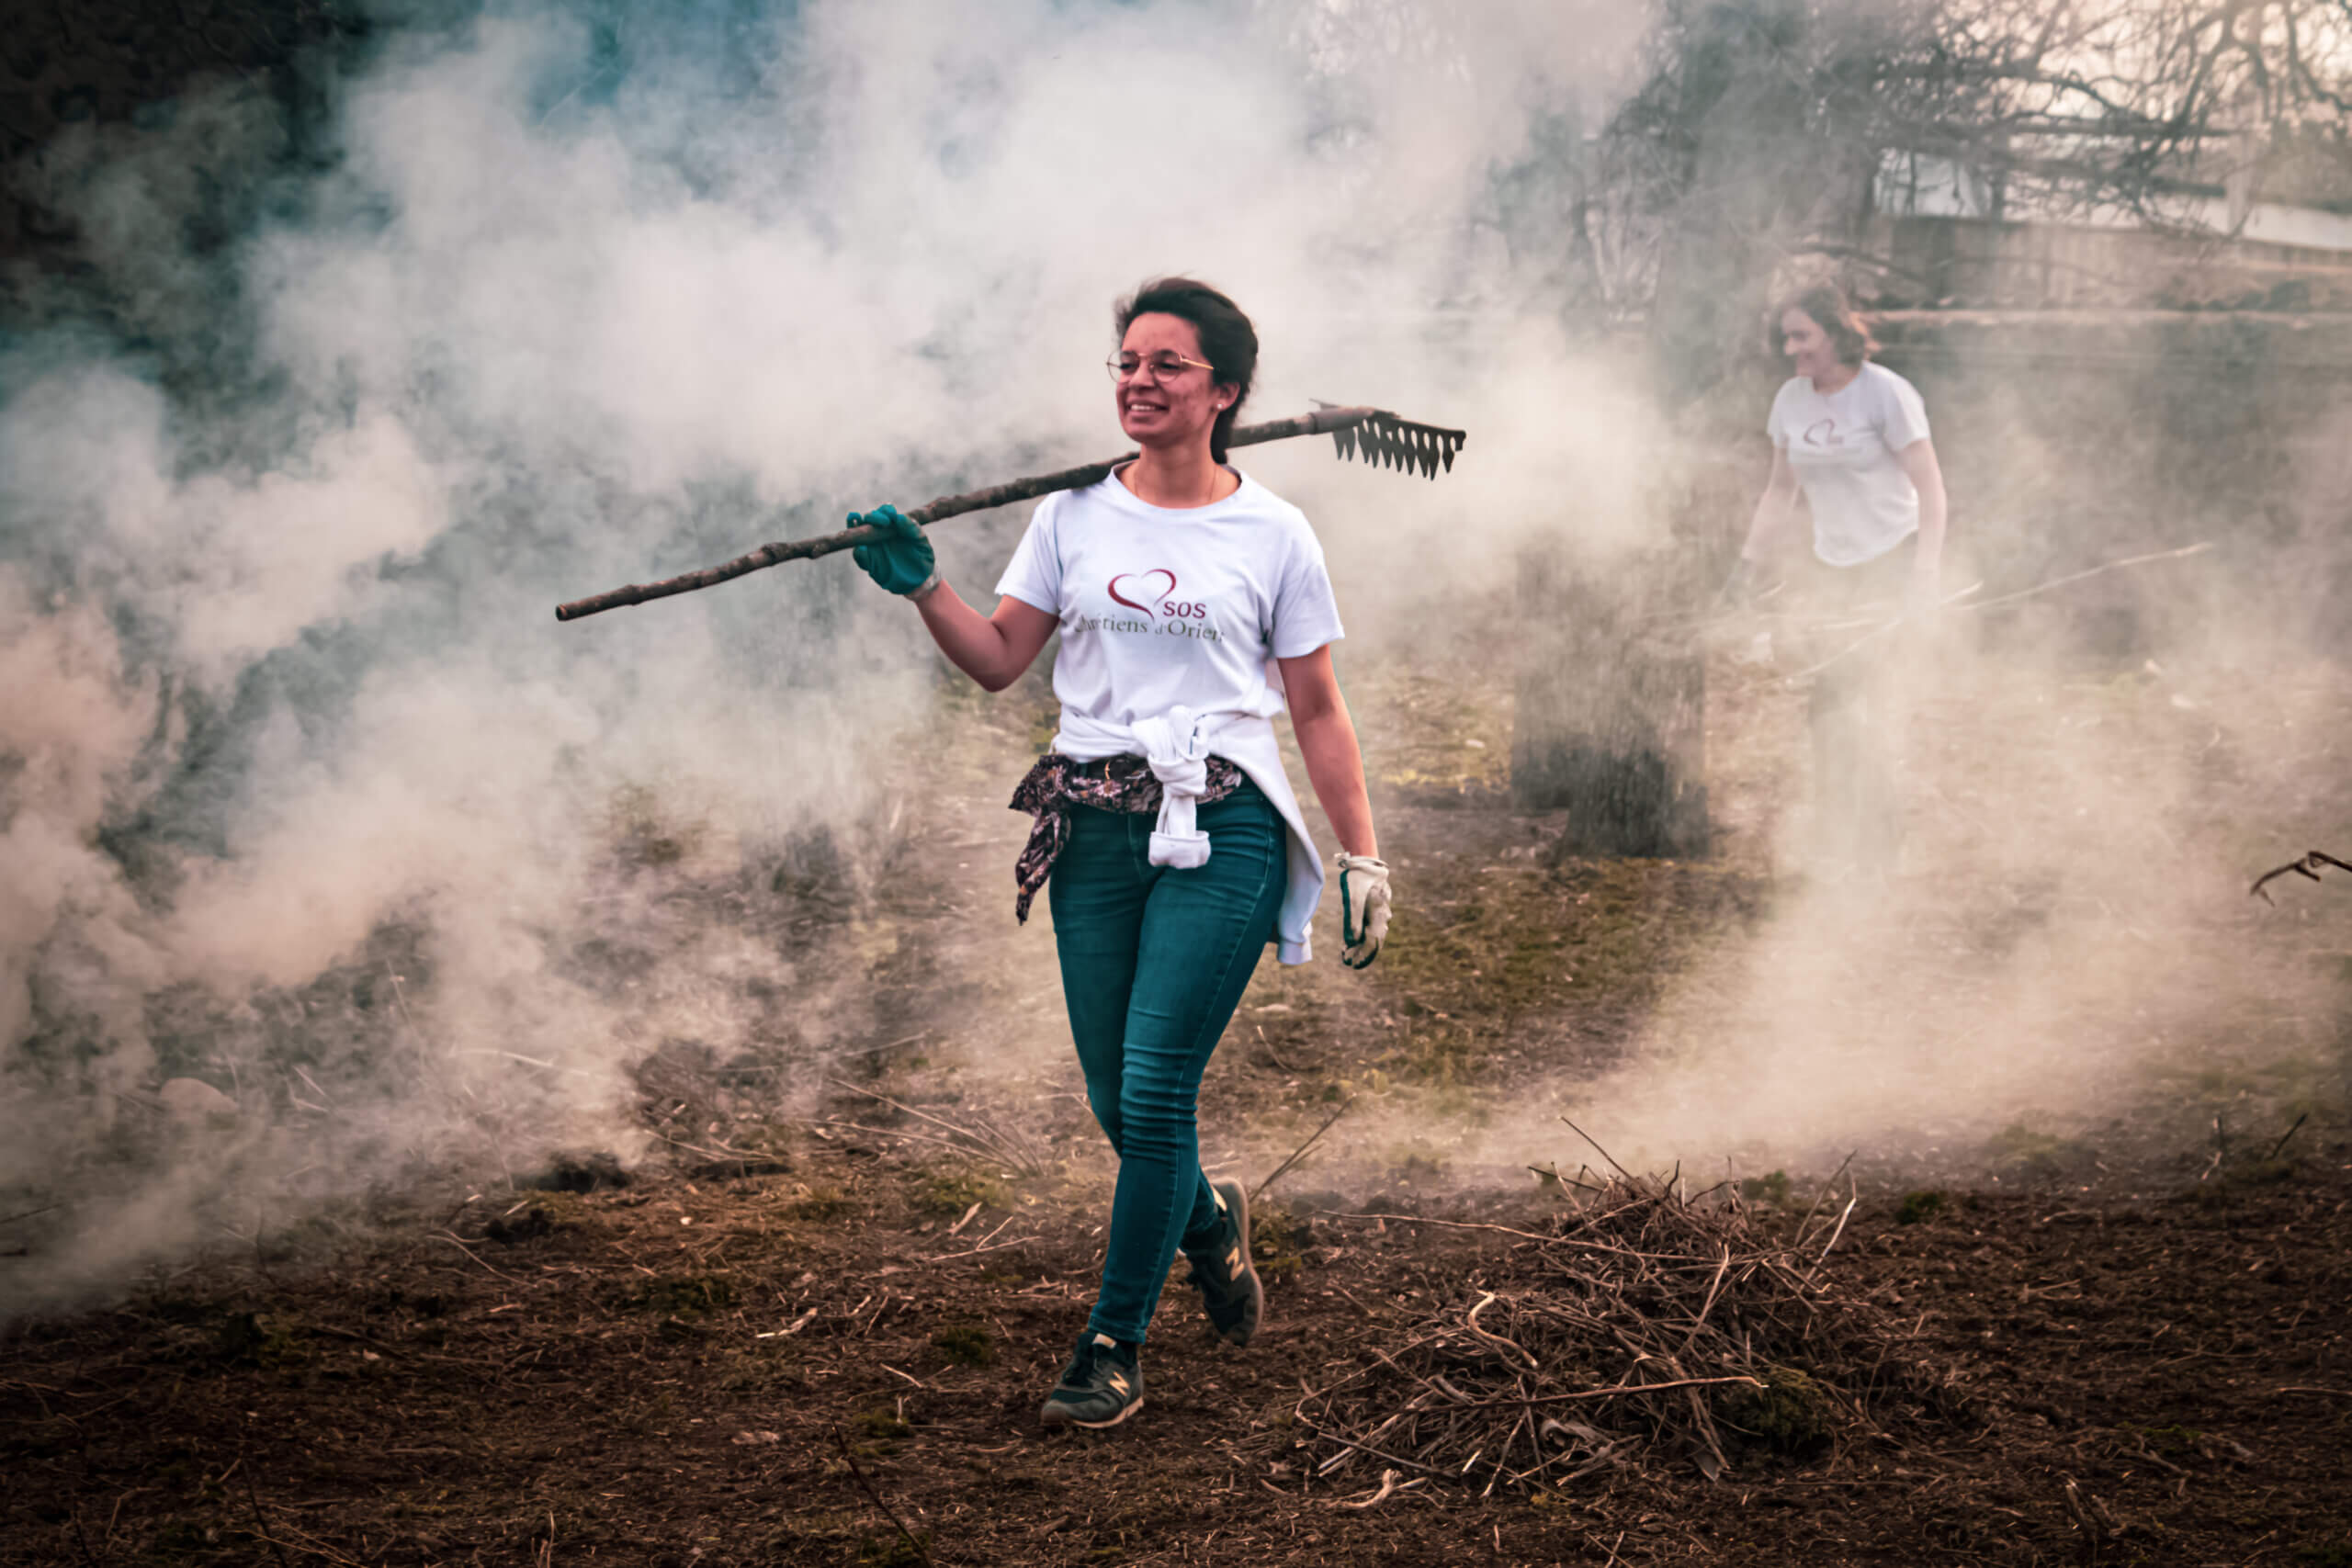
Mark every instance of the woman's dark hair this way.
pixel 1227 340
pixel 1834 313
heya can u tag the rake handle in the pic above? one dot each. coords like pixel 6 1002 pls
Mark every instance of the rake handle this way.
pixel 1322 421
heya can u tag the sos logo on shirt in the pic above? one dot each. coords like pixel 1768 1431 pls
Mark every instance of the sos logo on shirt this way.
pixel 1145 590
pixel 1152 595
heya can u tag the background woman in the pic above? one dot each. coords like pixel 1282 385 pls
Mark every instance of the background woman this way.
pixel 1194 606
pixel 1853 436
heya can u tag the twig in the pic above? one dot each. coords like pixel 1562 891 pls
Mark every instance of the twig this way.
pixel 2185 550
pixel 2040 588
pixel 1272 1052
pixel 978 1251
pixel 1388 1488
pixel 2307 867
pixel 1470 1320
pixel 878 1050
pixel 889 1513
pixel 1351 1442
pixel 1610 1393
pixel 1845 1215
pixel 879 1132
pixel 726 1154
pixel 1300 1153
pixel 1620 1170
pixel 1820 1192
pixel 28 1214
pixel 1424 1220
pixel 2289 1133
pixel 990 1140
pixel 261 1524
pixel 90 1557
pixel 469 1251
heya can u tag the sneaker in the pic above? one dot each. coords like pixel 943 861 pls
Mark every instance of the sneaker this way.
pixel 1102 1386
pixel 1225 1278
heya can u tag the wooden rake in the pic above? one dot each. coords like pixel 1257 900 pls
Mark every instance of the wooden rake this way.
pixel 1375 436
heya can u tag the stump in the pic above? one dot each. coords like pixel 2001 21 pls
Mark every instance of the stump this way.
pixel 1610 703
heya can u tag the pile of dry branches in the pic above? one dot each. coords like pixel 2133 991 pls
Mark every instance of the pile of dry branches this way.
pixel 1654 1324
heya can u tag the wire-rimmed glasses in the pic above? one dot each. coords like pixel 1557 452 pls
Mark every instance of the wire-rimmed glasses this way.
pixel 1165 366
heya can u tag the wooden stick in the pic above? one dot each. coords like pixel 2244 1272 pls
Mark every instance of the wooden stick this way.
pixel 1300 1153
pixel 920 1550
pixel 1322 421
pixel 1610 1393
pixel 1950 605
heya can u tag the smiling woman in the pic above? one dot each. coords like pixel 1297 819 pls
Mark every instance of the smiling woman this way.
pixel 1194 608
pixel 1852 436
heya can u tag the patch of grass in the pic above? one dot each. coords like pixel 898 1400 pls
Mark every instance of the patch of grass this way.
pixel 644 832
pixel 679 1293
pixel 1791 1415
pixel 1772 1187
pixel 764 1367
pixel 966 1344
pixel 1920 1206
pixel 1407 1165
pixel 1532 941
pixel 816 1203
pixel 2258 1172
pixel 881 1424
pixel 252 1340
pixel 2170 1442
pixel 1276 1236
pixel 946 1192
pixel 2018 1150
pixel 895 1550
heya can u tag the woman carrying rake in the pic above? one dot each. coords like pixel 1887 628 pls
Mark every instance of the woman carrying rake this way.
pixel 1194 607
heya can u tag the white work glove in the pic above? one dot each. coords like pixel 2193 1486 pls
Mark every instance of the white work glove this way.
pixel 1363 908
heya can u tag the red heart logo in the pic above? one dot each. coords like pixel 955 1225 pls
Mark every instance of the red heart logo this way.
pixel 1144 604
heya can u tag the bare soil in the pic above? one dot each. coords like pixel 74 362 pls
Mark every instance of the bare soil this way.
pixel 718 1370
pixel 822 1337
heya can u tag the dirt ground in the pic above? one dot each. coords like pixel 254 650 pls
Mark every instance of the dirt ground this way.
pixel 821 1337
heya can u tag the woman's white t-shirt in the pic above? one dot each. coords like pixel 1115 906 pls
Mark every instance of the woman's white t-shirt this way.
pixel 1841 447
pixel 1163 608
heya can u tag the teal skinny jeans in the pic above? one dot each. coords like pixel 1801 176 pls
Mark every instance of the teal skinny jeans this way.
pixel 1154 961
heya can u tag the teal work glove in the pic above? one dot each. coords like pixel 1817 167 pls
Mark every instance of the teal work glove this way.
pixel 901 561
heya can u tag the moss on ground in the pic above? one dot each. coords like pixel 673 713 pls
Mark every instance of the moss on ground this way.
pixel 1791 1415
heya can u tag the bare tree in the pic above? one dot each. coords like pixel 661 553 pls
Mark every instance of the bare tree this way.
pixel 1763 125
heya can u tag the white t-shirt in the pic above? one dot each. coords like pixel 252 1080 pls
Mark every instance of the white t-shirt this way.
pixel 1163 608
pixel 1842 448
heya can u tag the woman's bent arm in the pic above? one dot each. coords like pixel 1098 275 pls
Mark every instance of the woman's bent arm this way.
pixel 1327 740
pixel 1927 476
pixel 993 650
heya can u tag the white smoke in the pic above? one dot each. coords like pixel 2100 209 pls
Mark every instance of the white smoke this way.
pixel 306 795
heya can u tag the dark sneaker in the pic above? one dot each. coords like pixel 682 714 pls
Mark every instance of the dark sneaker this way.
pixel 1225 1278
pixel 1102 1386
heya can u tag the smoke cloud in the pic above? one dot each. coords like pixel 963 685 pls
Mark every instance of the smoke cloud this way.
pixel 328 859
pixel 325 854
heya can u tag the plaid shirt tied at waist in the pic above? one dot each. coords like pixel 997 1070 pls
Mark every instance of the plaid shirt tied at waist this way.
pixel 1117 783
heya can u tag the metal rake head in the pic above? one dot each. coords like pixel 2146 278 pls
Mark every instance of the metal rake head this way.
pixel 1382 437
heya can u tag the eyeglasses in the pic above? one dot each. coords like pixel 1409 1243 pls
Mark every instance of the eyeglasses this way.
pixel 1164 365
